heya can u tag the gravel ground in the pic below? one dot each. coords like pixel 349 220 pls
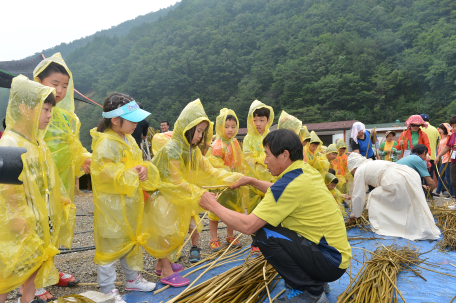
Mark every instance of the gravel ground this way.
pixel 81 265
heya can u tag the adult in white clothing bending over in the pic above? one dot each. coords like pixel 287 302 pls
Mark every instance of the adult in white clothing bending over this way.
pixel 397 206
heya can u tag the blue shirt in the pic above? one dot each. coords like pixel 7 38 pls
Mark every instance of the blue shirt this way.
pixel 415 162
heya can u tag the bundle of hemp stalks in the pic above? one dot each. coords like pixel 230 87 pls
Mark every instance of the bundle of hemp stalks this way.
pixel 376 280
pixel 446 220
pixel 250 282
pixel 361 222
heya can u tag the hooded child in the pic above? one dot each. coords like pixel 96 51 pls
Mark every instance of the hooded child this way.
pixel 259 121
pixel 62 137
pixel 30 214
pixel 119 179
pixel 315 157
pixel 183 171
pixel 340 166
pixel 331 183
pixel 226 153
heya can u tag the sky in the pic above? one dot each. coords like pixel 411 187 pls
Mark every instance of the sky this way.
pixel 27 27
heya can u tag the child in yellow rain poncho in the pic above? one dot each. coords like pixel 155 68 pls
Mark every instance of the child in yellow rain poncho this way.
pixel 159 140
pixel 226 153
pixel 331 182
pixel 62 137
pixel 331 153
pixel 119 177
pixel 183 170
pixel 314 156
pixel 259 120
pixel 340 166
pixel 30 214
pixel 287 121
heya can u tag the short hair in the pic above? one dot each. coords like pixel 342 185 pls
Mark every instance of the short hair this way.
pixel 231 117
pixel 452 120
pixel 419 149
pixel 164 121
pixel 283 139
pixel 50 99
pixel 262 112
pixel 332 171
pixel 444 129
pixel 335 181
pixel 53 67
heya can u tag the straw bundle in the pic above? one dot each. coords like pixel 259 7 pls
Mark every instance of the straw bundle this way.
pixel 362 222
pixel 446 220
pixel 250 282
pixel 376 280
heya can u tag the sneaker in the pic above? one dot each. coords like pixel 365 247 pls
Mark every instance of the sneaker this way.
pixel 115 294
pixel 452 207
pixel 140 284
pixel 326 287
pixel 236 243
pixel 175 280
pixel 194 255
pixel 215 245
pixel 295 296
pixel 435 195
pixel 255 250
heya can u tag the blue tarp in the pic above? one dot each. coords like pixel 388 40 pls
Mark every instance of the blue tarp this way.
pixel 438 288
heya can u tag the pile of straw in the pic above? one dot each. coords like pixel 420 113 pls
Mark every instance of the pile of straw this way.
pixel 361 222
pixel 446 220
pixel 250 282
pixel 377 278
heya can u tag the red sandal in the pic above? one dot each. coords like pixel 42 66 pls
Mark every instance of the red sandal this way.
pixel 64 280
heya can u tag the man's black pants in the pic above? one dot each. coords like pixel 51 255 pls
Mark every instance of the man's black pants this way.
pixel 296 259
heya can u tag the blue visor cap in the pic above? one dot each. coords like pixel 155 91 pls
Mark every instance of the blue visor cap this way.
pixel 130 112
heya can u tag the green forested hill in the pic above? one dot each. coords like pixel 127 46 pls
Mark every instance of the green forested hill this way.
pixel 322 60
pixel 117 30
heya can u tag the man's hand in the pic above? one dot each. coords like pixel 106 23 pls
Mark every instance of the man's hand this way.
pixel 347 197
pixel 142 172
pixel 428 158
pixel 426 187
pixel 86 165
pixel 352 218
pixel 207 199
pixel 242 182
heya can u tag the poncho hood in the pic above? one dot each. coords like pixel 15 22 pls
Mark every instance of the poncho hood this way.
pixel 220 125
pixel 251 129
pixel 31 94
pixel 68 102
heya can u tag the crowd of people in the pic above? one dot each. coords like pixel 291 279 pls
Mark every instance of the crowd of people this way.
pixel 283 187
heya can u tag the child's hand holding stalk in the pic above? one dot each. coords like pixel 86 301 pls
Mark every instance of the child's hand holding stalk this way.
pixel 142 172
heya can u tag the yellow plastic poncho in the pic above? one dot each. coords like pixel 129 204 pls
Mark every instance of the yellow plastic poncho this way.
pixel 119 198
pixel 304 133
pixel 27 211
pixel 183 170
pixel 331 149
pixel 69 155
pixel 287 121
pixel 227 154
pixel 338 196
pixel 341 168
pixel 316 159
pixel 159 140
pixel 254 154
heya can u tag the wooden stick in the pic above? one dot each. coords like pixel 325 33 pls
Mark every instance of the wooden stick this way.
pixel 216 186
pixel 95 284
pixel 265 282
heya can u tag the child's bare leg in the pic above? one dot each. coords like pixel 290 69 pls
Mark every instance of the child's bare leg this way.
pixel 28 289
pixel 3 297
pixel 165 267
pixel 195 237
pixel 213 226
pixel 229 232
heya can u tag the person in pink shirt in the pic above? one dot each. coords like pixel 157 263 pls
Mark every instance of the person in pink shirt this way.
pixel 445 179
pixel 450 147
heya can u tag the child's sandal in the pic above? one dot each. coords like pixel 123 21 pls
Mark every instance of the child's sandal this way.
pixel 175 280
pixel 174 267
